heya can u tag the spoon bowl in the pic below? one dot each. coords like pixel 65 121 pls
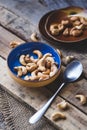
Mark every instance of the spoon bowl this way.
pixel 73 71
pixel 71 74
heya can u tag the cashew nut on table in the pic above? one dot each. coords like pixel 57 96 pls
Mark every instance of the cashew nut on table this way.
pixel 62 105
pixel 71 26
pixel 14 44
pixel 82 98
pixel 41 68
pixel 58 115
pixel 34 37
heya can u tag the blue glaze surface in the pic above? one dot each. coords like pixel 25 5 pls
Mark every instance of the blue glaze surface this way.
pixel 28 48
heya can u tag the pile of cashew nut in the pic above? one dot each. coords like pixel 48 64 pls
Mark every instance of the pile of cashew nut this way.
pixel 40 69
pixel 72 26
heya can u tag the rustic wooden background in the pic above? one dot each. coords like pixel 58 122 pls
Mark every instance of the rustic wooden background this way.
pixel 18 20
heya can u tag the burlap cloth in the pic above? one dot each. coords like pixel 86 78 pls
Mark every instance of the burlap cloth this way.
pixel 14 115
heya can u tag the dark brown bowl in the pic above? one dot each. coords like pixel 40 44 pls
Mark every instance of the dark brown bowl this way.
pixel 56 17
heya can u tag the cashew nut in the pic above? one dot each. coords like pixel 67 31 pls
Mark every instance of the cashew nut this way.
pixel 46 72
pixel 53 26
pixel 49 61
pixel 48 64
pixel 41 62
pixel 26 77
pixel 55 31
pixel 76 23
pixel 34 75
pixel 27 58
pixel 66 32
pixel 54 70
pixel 74 18
pixel 32 78
pixel 65 22
pixel 38 53
pixel 83 21
pixel 43 76
pixel 33 59
pixel 47 55
pixel 34 37
pixel 60 27
pixel 59 52
pixel 22 60
pixel 31 67
pixel 39 56
pixel 21 70
pixel 82 98
pixel 58 115
pixel 13 44
pixel 24 70
pixel 67 59
pixel 62 105
pixel 81 26
pixel 76 32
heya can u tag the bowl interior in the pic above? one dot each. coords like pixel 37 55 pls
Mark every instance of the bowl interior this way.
pixel 27 48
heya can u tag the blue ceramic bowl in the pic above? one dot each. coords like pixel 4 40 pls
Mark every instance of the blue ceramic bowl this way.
pixel 27 48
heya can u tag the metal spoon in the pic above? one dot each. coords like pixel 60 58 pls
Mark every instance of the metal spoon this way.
pixel 72 73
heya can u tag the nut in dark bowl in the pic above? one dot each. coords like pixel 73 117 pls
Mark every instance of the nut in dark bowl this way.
pixel 67 25
pixel 34 64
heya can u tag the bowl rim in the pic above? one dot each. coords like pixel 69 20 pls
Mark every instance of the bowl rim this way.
pixel 34 81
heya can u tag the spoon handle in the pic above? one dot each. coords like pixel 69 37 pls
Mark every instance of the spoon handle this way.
pixel 42 111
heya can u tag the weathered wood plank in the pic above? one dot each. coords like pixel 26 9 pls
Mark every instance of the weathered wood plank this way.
pixel 37 97
pixel 22 28
pixel 4 52
pixel 56 4
pixel 32 9
pixel 6 16
pixel 28 10
pixel 5 38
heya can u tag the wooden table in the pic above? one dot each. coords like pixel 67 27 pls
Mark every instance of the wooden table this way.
pixel 18 28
